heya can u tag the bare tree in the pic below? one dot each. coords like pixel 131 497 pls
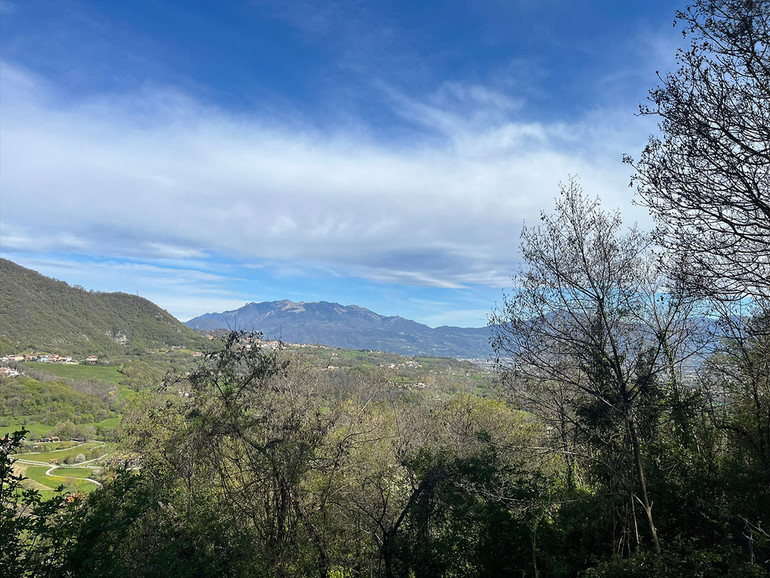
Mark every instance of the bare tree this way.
pixel 736 379
pixel 706 180
pixel 592 331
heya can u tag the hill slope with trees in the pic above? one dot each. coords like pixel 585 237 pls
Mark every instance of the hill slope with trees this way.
pixel 43 314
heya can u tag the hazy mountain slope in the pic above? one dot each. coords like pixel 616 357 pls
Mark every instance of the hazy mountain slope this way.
pixel 348 326
pixel 43 314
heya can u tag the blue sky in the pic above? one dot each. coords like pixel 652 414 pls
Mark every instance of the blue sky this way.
pixel 383 154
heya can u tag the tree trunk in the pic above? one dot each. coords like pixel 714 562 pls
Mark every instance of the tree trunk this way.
pixel 645 500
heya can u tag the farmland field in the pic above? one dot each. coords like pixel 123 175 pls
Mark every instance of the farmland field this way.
pixel 107 373
pixel 96 449
pixel 35 429
pixel 71 478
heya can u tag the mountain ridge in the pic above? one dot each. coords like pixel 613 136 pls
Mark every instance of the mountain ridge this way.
pixel 348 326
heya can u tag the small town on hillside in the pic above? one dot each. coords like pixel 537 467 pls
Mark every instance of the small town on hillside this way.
pixel 49 358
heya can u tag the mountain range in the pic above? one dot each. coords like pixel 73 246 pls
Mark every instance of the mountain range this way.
pixel 42 314
pixel 348 326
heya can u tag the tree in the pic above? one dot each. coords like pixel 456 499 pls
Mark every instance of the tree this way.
pixel 130 528
pixel 592 318
pixel 706 180
pixel 736 381
pixel 264 440
pixel 33 538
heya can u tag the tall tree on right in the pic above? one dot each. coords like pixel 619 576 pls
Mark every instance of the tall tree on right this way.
pixel 706 179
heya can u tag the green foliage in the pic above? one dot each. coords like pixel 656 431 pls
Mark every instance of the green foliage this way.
pixel 129 529
pixel 140 375
pixel 260 463
pixel 52 402
pixel 32 530
pixel 680 560
pixel 320 482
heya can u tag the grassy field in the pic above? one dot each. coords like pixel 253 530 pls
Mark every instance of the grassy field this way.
pixel 67 472
pixel 51 446
pixel 61 455
pixel 125 393
pixel 109 423
pixel 108 373
pixel 36 429
pixel 73 479
pixel 28 483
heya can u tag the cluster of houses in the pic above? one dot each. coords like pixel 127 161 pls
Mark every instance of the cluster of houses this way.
pixel 46 358
pixel 40 358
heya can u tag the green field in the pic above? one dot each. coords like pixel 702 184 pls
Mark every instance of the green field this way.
pixel 108 373
pixel 70 478
pixel 77 473
pixel 125 393
pixel 50 446
pixel 36 429
pixel 61 455
pixel 109 423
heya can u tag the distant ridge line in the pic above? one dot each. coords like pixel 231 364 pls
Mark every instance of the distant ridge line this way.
pixel 348 326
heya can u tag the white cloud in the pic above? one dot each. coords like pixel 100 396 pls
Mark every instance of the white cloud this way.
pixel 459 318
pixel 155 174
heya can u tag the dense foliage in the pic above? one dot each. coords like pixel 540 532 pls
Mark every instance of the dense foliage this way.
pixel 256 464
pixel 52 402
pixel 659 418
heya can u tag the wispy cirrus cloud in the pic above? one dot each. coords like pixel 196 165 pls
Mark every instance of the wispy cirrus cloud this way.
pixel 155 174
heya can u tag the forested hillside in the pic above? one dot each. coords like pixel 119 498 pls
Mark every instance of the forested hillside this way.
pixel 42 314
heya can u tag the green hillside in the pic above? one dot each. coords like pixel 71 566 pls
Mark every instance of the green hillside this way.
pixel 53 402
pixel 42 314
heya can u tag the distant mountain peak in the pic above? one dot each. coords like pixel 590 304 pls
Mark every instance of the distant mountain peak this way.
pixel 348 326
